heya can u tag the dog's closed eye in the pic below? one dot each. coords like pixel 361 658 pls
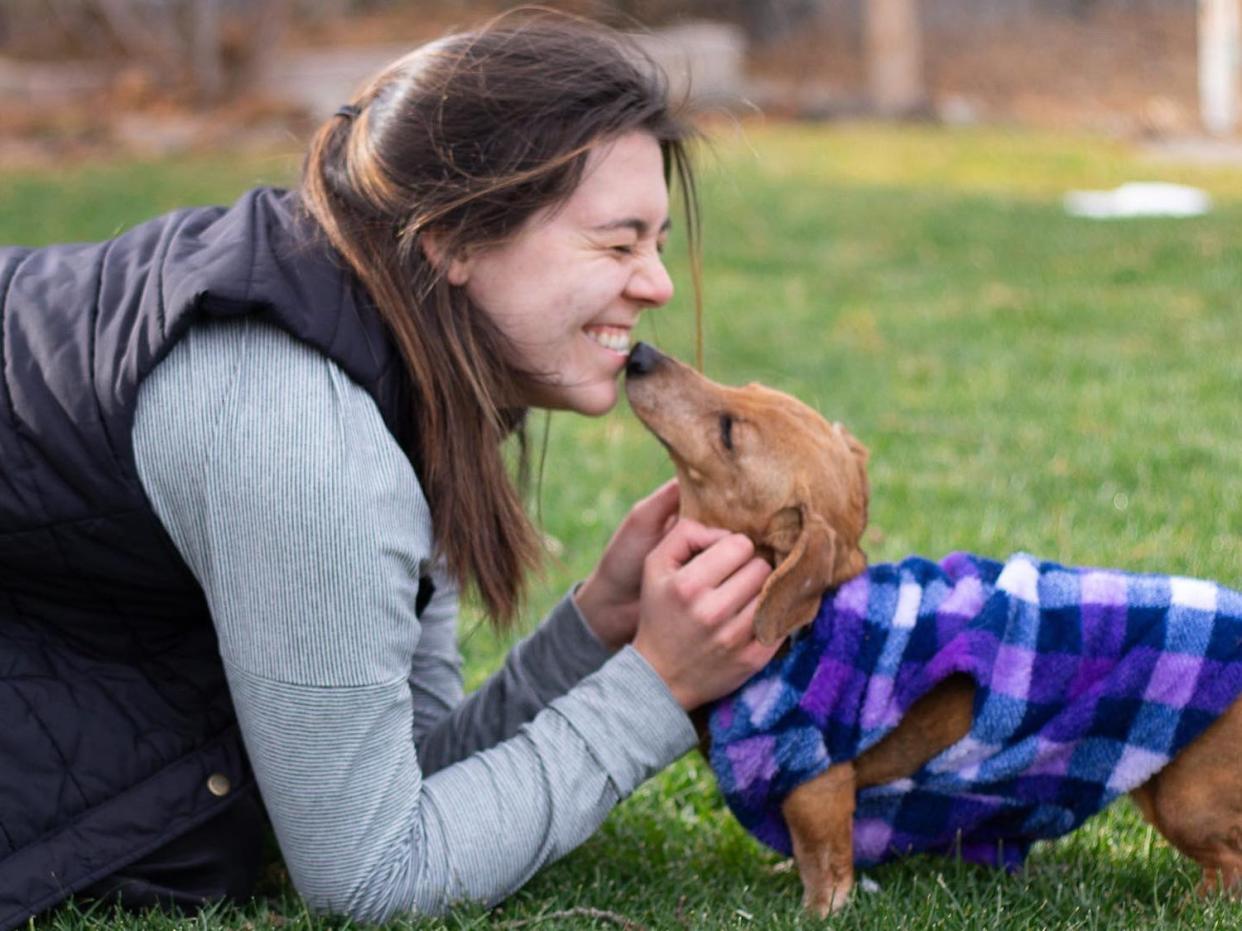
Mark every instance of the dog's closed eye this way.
pixel 726 431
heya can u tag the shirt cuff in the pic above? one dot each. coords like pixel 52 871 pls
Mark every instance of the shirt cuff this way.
pixel 628 719
pixel 578 651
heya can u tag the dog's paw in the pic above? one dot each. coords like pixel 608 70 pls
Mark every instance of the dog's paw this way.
pixel 827 900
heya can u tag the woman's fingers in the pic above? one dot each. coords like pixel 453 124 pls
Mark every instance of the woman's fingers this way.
pixel 739 593
pixel 712 567
pixel 718 566
pixel 655 510
pixel 608 598
pixel 687 541
pixel 649 519
pixel 644 526
pixel 700 592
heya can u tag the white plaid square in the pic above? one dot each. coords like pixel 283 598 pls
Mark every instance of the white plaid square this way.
pixel 1193 593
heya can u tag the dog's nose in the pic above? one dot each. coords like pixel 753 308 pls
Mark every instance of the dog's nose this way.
pixel 643 360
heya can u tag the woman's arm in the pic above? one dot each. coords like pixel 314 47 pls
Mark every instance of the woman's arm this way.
pixel 545 665
pixel 288 498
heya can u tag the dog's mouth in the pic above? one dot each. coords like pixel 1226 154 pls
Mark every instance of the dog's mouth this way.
pixel 632 382
pixel 648 392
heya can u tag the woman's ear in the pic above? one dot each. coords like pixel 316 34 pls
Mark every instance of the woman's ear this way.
pixel 456 268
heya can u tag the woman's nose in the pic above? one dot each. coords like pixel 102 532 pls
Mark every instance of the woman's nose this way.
pixel 650 283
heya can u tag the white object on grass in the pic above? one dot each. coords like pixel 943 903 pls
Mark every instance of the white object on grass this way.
pixel 1139 199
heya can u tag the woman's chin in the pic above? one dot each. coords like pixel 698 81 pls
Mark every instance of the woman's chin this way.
pixel 595 403
pixel 589 400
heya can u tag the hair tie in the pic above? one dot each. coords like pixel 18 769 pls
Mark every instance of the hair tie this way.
pixel 349 111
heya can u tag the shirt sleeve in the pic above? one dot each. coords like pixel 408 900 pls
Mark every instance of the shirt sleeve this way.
pixel 560 653
pixel 304 523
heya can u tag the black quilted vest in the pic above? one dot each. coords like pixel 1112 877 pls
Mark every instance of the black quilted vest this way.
pixel 116 729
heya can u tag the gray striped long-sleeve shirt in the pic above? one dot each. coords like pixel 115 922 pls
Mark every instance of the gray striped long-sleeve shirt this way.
pixel 306 526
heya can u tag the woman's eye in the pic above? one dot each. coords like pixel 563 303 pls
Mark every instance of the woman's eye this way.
pixel 726 431
pixel 624 248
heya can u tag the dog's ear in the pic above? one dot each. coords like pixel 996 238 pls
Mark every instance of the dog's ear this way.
pixel 791 595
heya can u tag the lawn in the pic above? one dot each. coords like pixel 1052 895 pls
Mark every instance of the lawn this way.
pixel 1024 380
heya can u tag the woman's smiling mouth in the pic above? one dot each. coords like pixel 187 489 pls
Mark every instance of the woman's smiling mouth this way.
pixel 616 339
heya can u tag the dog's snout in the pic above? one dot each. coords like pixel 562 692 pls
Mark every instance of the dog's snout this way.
pixel 643 360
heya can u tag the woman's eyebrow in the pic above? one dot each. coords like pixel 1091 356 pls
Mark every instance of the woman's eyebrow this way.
pixel 636 224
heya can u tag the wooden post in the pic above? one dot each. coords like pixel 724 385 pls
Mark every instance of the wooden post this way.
pixel 205 61
pixel 894 51
pixel 1218 65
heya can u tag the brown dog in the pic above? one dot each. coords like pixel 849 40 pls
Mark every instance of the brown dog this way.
pixel 759 462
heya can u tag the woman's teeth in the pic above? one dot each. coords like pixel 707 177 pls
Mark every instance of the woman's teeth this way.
pixel 614 338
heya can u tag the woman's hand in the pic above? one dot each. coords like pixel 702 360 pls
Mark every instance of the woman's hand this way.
pixel 608 599
pixel 700 588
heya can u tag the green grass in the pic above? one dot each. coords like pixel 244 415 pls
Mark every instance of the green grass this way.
pixel 1023 379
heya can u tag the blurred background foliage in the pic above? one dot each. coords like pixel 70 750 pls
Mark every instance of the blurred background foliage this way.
pixel 92 76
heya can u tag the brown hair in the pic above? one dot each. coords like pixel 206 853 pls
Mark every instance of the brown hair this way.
pixel 467 138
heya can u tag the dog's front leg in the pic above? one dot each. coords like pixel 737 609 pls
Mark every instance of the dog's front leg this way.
pixel 820 815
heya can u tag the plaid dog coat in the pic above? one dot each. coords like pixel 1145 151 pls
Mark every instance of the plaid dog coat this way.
pixel 1088 681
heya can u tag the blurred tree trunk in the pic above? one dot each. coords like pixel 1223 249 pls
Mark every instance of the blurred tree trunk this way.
pixel 146 32
pixel 1220 42
pixel 764 20
pixel 774 20
pixel 269 19
pixel 206 68
pixel 74 20
pixel 894 53
pixel 210 48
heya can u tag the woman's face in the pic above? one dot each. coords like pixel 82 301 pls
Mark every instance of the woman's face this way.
pixel 568 289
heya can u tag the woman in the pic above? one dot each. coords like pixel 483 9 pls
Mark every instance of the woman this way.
pixel 250 456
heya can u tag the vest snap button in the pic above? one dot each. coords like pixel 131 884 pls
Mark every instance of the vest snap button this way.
pixel 218 784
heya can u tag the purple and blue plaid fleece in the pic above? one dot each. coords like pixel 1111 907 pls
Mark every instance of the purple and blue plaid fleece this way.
pixel 1088 682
